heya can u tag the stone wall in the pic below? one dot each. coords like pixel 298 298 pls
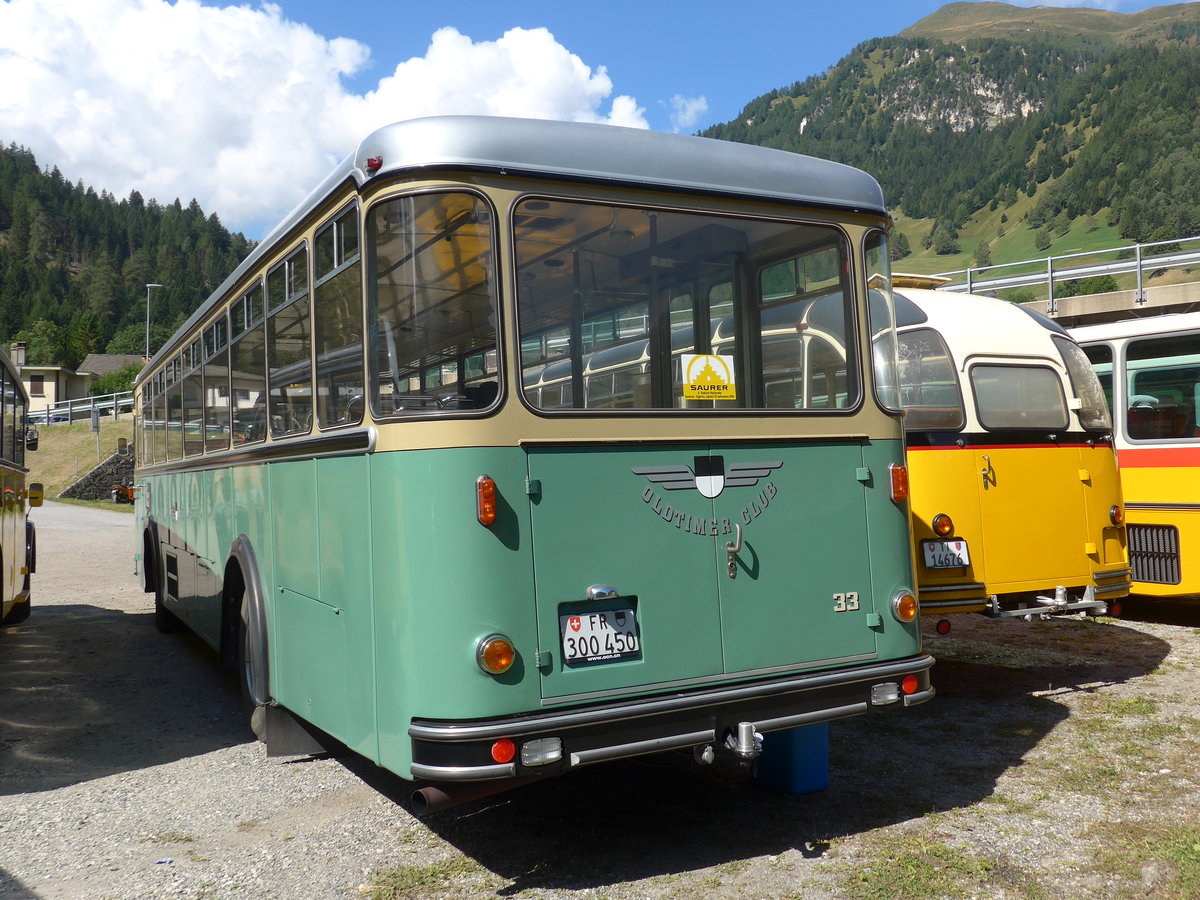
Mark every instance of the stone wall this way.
pixel 97 484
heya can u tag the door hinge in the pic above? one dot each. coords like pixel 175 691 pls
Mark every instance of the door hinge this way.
pixel 863 474
pixel 874 620
pixel 533 487
pixel 541 659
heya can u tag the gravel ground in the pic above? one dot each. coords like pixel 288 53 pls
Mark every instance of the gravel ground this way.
pixel 1057 760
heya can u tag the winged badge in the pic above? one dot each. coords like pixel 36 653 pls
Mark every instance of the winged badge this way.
pixel 709 477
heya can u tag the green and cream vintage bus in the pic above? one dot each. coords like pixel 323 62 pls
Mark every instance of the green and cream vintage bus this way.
pixel 525 445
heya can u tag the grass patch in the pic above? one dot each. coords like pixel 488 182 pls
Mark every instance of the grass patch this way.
pixel 1161 860
pixel 422 881
pixel 67 452
pixel 918 867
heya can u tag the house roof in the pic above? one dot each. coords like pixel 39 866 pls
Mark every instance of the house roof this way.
pixel 103 363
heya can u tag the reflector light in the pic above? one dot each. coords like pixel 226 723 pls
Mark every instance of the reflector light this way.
pixel 909 684
pixel 943 626
pixel 883 694
pixel 899 475
pixel 943 525
pixel 485 500
pixel 904 606
pixel 504 750
pixel 374 163
pixel 495 654
pixel 541 751
pixel 1116 515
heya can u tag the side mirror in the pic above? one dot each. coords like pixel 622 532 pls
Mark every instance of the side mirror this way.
pixel 31 438
pixel 35 494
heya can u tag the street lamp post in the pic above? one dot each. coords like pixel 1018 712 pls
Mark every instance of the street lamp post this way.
pixel 148 286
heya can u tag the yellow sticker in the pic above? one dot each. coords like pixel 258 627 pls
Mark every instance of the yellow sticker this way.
pixel 708 377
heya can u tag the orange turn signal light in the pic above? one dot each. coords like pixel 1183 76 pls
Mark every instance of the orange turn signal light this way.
pixel 485 500
pixel 899 478
pixel 1116 515
pixel 904 606
pixel 495 654
pixel 943 525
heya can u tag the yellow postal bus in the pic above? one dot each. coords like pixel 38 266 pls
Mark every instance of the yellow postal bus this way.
pixel 1015 492
pixel 1150 369
pixel 18 538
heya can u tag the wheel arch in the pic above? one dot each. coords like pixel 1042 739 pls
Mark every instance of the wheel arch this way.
pixel 242 585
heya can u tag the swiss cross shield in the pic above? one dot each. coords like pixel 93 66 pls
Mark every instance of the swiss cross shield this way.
pixel 574 623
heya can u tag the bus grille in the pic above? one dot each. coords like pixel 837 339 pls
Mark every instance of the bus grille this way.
pixel 1154 553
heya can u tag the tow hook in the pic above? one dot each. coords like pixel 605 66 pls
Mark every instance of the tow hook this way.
pixel 745 742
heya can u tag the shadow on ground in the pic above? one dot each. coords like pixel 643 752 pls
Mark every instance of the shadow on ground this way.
pixel 656 816
pixel 87 692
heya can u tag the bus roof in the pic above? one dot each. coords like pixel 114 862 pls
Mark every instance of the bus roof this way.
pixel 1163 323
pixel 975 324
pixel 574 151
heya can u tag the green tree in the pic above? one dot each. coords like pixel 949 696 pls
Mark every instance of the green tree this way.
pixel 45 343
pixel 116 382
pixel 983 255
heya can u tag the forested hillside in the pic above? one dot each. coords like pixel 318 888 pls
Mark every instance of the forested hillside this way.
pixel 74 264
pixel 1047 115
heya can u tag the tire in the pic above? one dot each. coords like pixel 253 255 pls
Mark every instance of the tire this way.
pixel 246 673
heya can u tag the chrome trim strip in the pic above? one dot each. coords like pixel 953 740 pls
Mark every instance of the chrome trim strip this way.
pixel 919 697
pixel 1127 572
pixel 514 727
pixel 946 588
pixel 708 679
pixel 338 443
pixel 463 773
pixel 636 748
pixel 812 718
pixel 954 604
pixel 1111 588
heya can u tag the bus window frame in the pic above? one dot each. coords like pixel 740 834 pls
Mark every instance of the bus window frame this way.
pixel 428 403
pixel 1130 392
pixel 997 364
pixel 954 373
pixel 744 281
pixel 323 404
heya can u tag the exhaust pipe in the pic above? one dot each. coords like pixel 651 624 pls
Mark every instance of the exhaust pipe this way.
pixel 444 795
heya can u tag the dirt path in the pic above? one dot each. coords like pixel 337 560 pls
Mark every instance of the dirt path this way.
pixel 1057 761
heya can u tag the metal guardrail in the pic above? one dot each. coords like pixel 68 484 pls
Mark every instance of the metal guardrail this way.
pixel 1050 269
pixel 67 411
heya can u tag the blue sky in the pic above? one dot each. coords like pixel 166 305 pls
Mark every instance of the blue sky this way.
pixel 245 106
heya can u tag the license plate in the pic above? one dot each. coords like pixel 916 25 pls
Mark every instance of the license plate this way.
pixel 946 554
pixel 601 636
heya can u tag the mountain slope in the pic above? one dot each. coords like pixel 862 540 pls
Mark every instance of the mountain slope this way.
pixel 1068 108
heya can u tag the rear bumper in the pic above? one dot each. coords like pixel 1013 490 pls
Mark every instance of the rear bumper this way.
pixel 461 750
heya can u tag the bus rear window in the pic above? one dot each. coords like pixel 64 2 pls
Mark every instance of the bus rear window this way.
pixel 1008 396
pixel 626 308
pixel 928 384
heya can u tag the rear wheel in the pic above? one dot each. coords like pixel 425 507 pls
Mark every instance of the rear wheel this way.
pixel 247 672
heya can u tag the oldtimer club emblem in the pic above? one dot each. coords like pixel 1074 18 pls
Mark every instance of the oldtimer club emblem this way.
pixel 709 476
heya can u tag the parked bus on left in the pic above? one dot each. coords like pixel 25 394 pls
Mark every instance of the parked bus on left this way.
pixel 18 542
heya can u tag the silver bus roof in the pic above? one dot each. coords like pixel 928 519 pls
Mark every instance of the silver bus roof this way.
pixel 577 151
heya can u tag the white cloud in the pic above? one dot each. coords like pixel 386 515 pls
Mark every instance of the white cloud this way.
pixel 241 108
pixel 686 111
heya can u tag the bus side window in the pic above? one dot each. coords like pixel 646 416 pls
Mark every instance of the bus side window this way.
pixel 337 322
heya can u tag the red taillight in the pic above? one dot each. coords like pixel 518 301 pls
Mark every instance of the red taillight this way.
pixel 909 684
pixel 374 163
pixel 504 750
pixel 485 500
pixel 899 476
